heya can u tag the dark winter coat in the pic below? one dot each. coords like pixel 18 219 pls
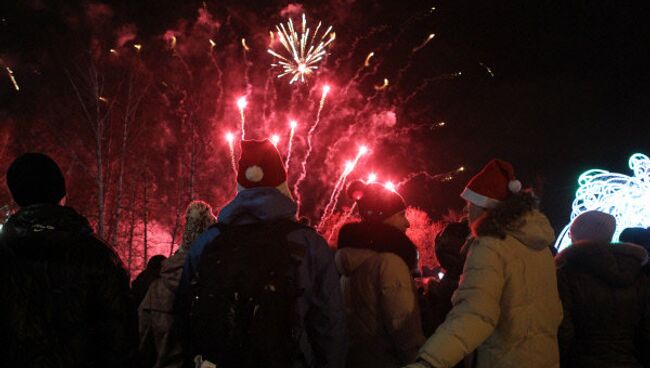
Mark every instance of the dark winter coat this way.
pixel 606 303
pixel 64 295
pixel 383 318
pixel 320 308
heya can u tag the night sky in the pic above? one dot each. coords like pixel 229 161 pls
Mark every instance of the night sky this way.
pixel 570 89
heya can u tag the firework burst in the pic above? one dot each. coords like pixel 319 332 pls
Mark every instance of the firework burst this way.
pixel 301 52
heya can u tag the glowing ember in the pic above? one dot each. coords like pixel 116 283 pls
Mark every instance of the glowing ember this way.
pixel 212 44
pixel 138 47
pixel 301 53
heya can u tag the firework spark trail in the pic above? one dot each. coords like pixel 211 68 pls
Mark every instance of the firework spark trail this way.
pixel 340 184
pixel 302 53
pixel 353 48
pixel 425 83
pixel 247 65
pixel 241 104
pixel 446 176
pixel 219 71
pixel 409 62
pixel 310 135
pixel 293 124
pixel 13 79
pixel 487 68
pixel 230 138
pixel 342 221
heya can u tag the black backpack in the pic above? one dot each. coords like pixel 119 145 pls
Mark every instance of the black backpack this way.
pixel 243 311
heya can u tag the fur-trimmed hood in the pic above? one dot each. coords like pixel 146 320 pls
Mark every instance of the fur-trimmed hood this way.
pixel 617 264
pixel 518 217
pixel 380 238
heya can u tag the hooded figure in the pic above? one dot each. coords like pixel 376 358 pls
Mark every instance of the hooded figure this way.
pixel 507 305
pixel 264 197
pixel 376 258
pixel 159 345
pixel 451 255
pixel 64 296
pixel 606 298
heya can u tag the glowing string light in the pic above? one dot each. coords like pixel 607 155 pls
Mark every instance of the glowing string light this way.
pixel 241 104
pixel 300 54
pixel 292 124
pixel 627 198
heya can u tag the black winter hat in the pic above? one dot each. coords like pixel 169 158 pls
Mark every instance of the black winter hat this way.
pixel 35 178
pixel 376 203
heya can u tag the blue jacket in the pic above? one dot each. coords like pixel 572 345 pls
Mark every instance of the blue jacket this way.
pixel 321 309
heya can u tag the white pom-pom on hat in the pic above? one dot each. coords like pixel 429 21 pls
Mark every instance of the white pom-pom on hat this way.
pixel 514 186
pixel 254 174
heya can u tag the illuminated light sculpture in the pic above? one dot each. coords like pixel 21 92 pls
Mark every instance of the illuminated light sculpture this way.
pixel 627 198
pixel 302 52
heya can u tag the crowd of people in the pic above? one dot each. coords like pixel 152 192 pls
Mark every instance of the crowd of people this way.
pixel 254 287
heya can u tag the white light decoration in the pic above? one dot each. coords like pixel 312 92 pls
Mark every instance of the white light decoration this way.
pixel 627 198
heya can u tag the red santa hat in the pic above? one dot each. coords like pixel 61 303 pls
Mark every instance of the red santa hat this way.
pixel 495 183
pixel 260 165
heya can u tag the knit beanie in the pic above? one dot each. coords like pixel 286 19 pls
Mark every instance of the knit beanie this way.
pixel 35 178
pixel 593 226
pixel 375 202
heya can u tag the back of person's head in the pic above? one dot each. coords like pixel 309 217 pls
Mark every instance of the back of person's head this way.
pixel 636 235
pixel 34 178
pixel 449 243
pixel 375 202
pixel 155 262
pixel 198 218
pixel 593 226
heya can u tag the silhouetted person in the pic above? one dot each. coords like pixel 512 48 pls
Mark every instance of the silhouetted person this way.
pixel 64 295
pixel 151 273
pixel 160 346
pixel 376 260
pixel 449 252
pixel 606 297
